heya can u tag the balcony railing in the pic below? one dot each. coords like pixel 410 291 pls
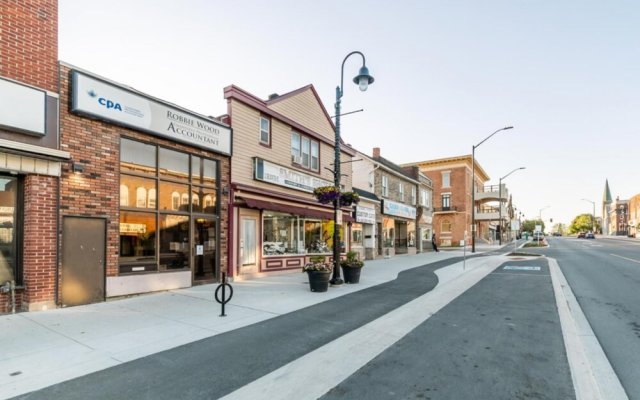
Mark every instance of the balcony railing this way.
pixel 445 209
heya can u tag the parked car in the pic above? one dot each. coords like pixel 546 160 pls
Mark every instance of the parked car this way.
pixel 581 235
pixel 537 236
pixel 590 235
pixel 557 234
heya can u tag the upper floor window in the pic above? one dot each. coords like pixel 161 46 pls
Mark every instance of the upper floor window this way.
pixel 385 186
pixel 401 191
pixel 265 131
pixel 446 201
pixel 371 179
pixel 413 195
pixel 424 198
pixel 446 179
pixel 305 152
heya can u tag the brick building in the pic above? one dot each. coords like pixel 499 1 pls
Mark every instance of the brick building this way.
pixel 30 156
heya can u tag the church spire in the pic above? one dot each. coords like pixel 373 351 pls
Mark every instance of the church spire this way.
pixel 606 197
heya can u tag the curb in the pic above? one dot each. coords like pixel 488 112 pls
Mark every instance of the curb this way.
pixel 592 374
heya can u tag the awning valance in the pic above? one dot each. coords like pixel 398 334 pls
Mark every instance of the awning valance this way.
pixel 291 209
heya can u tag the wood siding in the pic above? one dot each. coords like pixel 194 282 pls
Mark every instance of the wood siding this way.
pixel 305 109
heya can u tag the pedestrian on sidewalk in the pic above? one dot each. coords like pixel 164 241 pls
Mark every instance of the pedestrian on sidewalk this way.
pixel 433 243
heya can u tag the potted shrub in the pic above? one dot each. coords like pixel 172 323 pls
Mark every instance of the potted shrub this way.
pixel 351 267
pixel 326 194
pixel 349 198
pixel 319 273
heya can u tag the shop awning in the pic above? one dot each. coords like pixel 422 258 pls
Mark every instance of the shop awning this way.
pixel 298 210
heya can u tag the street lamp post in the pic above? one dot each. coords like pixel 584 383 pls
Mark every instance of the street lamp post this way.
pixel 500 197
pixel 473 187
pixel 363 79
pixel 540 219
pixel 593 217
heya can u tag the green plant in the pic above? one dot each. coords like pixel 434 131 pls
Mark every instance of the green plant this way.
pixel 326 194
pixel 348 198
pixel 352 260
pixel 317 263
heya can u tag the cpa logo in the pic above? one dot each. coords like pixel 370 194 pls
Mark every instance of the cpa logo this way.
pixel 105 102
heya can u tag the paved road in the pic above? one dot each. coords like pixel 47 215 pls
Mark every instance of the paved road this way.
pixel 499 340
pixel 604 275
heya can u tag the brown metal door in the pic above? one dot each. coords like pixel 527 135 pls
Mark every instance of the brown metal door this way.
pixel 83 254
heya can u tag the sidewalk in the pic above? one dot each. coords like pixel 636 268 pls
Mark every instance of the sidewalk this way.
pixel 44 348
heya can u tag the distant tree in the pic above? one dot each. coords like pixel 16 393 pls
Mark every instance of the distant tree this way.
pixel 530 225
pixel 559 227
pixel 583 223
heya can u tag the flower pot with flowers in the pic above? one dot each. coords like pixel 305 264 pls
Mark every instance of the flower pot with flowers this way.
pixel 351 267
pixel 326 194
pixel 349 198
pixel 319 272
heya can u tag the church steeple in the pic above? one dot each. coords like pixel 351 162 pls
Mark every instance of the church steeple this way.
pixel 606 197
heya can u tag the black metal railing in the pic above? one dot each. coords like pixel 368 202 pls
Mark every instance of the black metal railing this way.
pixel 445 209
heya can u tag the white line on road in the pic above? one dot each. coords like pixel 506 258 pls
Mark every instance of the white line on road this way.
pixel 625 258
pixel 592 374
pixel 314 374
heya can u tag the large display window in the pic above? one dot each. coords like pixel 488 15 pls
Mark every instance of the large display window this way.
pixel 9 230
pixel 162 193
pixel 287 234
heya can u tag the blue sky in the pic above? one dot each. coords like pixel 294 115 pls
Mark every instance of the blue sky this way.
pixel 448 74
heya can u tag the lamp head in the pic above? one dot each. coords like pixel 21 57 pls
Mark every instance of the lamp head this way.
pixel 507 127
pixel 363 79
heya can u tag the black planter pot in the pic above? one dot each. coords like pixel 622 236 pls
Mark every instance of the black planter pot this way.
pixel 351 274
pixel 319 280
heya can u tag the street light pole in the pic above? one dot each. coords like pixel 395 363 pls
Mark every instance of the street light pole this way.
pixel 363 79
pixel 473 187
pixel 500 197
pixel 593 217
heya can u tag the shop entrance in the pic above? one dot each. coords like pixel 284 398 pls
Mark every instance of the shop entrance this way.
pixel 401 242
pixel 83 255
pixel 204 251
pixel 248 244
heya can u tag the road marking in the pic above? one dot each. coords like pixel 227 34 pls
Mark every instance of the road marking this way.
pixel 592 374
pixel 521 268
pixel 625 258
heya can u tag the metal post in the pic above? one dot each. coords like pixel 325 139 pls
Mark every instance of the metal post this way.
pixel 336 280
pixel 473 199
pixel 500 211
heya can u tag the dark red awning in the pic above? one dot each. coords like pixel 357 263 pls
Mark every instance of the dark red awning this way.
pixel 298 210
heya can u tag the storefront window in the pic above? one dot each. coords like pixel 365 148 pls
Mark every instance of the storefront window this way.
pixel 279 234
pixel 137 192
pixel 8 220
pixel 388 232
pixel 174 165
pixel 356 235
pixel 137 237
pixel 174 197
pixel 204 200
pixel 174 242
pixel 137 157
pixel 209 172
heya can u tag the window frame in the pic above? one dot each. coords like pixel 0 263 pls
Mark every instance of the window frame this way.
pixel 304 150
pixel 446 196
pixel 401 191
pixel 266 143
pixel 385 186
pixel 446 174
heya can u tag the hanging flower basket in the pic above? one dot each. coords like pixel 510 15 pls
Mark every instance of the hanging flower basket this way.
pixel 326 194
pixel 349 198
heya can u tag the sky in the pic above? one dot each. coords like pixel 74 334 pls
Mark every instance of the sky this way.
pixel 563 73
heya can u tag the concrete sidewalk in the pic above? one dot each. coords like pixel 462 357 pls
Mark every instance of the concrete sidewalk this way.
pixel 43 348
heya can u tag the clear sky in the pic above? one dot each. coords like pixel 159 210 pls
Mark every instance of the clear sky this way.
pixel 565 74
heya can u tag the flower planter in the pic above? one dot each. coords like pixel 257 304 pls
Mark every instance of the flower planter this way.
pixel 351 274
pixel 319 280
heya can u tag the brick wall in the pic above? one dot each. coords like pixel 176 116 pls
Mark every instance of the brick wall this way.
pixel 96 191
pixel 29 42
pixel 40 253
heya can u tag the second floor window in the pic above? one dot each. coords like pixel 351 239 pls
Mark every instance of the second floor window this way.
pixel 385 186
pixel 446 201
pixel 305 152
pixel 265 131
pixel 413 195
pixel 446 179
pixel 424 198
pixel 401 191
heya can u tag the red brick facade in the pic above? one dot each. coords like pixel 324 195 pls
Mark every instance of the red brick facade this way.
pixel 29 42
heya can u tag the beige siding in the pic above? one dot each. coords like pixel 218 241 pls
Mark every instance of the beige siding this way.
pixel 246 146
pixel 305 109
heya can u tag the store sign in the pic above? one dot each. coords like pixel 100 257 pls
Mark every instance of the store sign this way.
pixel 398 209
pixel 94 97
pixel 278 175
pixel 22 108
pixel 133 228
pixel 365 215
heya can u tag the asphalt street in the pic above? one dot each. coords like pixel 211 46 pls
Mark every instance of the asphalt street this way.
pixel 502 339
pixel 604 275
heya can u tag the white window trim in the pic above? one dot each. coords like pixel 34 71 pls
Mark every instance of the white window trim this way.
pixel 268 131
pixel 401 191
pixel 449 179
pixel 385 186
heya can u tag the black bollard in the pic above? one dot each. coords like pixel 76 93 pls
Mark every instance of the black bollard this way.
pixel 222 287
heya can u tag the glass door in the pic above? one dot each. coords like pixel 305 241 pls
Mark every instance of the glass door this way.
pixel 204 252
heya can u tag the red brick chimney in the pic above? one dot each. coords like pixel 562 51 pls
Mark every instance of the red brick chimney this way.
pixel 29 45
pixel 376 152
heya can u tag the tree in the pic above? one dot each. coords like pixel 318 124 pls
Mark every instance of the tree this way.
pixel 530 225
pixel 583 223
pixel 559 227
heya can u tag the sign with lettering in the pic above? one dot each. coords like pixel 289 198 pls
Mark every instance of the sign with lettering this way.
pixel 365 215
pixel 278 175
pixel 107 101
pixel 398 209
